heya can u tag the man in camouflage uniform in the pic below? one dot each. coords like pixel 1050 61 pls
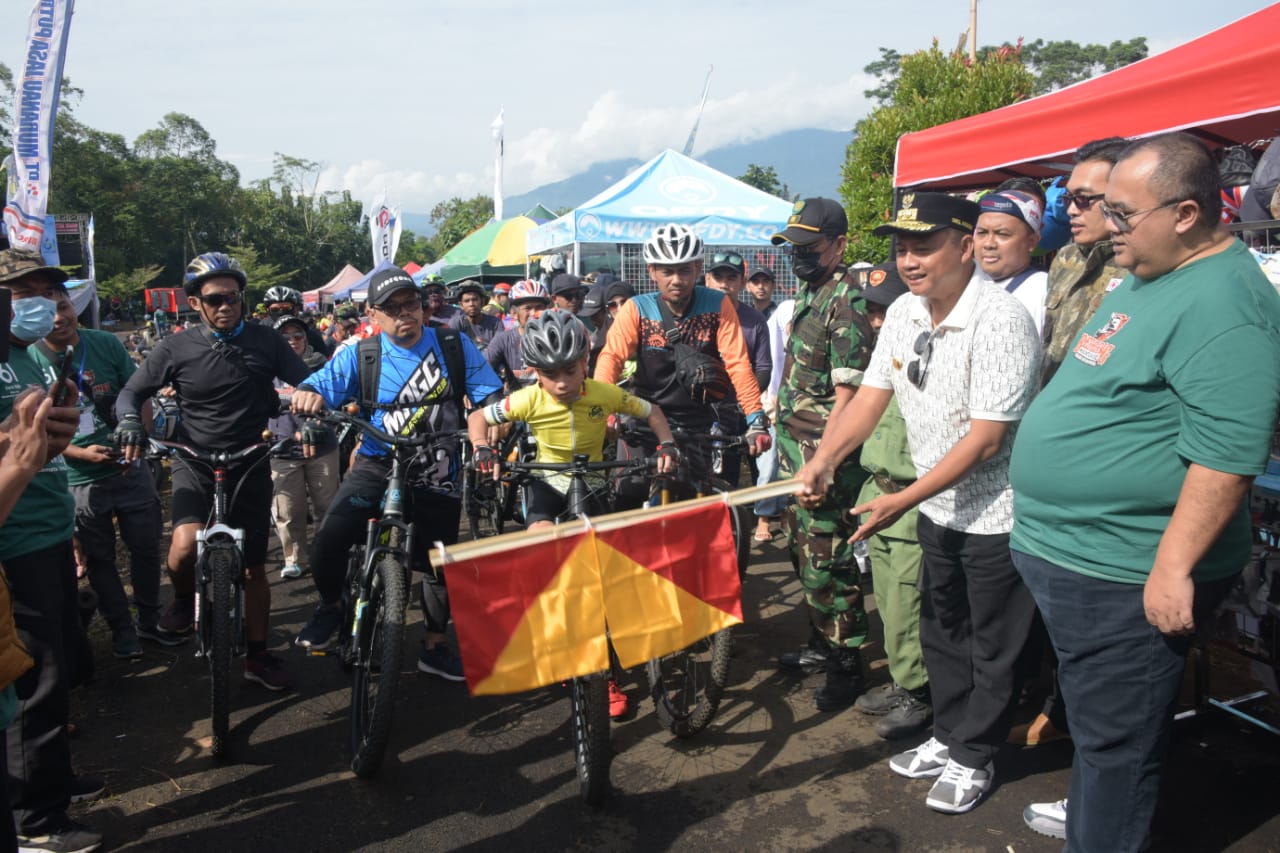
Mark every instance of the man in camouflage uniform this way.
pixel 1085 269
pixel 827 351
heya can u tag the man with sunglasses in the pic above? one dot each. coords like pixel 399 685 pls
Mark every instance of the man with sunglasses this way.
pixel 420 387
pixel 223 373
pixel 568 292
pixel 1132 471
pixel 1085 269
pixel 961 356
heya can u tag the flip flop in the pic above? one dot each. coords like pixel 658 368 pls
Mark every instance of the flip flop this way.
pixel 762 537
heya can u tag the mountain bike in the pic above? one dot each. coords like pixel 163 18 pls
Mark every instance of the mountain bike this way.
pixel 219 600
pixel 374 599
pixel 489 504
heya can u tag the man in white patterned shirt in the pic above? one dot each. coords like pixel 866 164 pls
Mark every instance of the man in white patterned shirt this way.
pixel 962 357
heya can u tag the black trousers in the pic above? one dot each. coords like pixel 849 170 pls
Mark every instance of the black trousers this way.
pixel 43 586
pixel 359 498
pixel 975 613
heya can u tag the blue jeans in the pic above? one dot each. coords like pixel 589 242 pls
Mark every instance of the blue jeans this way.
pixel 767 464
pixel 1120 678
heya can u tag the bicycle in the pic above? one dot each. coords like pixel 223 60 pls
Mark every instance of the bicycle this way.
pixel 219 601
pixel 589 694
pixel 489 505
pixel 374 600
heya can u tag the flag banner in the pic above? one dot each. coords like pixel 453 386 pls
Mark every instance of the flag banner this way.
pixel 497 127
pixel 90 271
pixel 531 609
pixel 35 106
pixel 384 227
pixel 697 119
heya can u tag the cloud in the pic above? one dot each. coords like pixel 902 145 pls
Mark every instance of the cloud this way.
pixel 613 129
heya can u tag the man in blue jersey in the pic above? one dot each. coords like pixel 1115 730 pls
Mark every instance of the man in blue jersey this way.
pixel 423 376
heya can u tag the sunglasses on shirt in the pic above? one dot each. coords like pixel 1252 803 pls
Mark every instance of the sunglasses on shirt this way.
pixel 917 369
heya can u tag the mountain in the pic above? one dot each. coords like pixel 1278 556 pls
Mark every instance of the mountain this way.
pixel 808 162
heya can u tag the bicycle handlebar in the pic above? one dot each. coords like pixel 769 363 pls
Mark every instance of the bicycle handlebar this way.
pixel 576 467
pixel 334 416
pixel 215 458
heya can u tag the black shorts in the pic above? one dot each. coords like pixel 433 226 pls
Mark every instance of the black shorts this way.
pixel 251 511
pixel 543 502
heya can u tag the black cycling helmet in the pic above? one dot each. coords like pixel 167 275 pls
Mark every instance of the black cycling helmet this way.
pixel 211 265
pixel 286 319
pixel 556 339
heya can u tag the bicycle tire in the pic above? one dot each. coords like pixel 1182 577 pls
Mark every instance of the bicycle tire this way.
pixel 222 563
pixel 687 685
pixel 346 647
pixel 379 633
pixel 589 719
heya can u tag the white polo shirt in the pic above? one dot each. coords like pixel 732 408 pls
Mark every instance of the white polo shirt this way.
pixel 985 364
pixel 1032 292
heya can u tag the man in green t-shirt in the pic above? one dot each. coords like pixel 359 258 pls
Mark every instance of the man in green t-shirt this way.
pixel 108 491
pixel 35 547
pixel 1131 470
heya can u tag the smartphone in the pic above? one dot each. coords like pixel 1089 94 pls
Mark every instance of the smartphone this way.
pixel 60 387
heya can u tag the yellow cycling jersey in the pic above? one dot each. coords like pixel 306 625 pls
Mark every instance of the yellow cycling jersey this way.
pixel 563 431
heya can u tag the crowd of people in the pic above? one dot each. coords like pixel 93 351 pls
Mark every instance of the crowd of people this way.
pixel 1037 459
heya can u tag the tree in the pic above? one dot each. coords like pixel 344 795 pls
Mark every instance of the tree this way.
pixel 932 88
pixel 885 70
pixel 261 275
pixel 765 178
pixel 414 248
pixel 1061 63
pixel 456 218
pixel 127 285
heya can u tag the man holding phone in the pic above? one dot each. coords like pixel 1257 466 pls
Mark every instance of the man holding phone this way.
pixel 107 490
pixel 35 547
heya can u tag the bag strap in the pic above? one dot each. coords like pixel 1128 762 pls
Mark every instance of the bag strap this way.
pixel 369 360
pixel 455 363
pixel 669 322
pixel 1017 280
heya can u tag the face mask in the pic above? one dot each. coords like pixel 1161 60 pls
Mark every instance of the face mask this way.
pixel 805 265
pixel 33 318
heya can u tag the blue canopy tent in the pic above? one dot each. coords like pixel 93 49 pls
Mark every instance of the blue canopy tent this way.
pixel 669 188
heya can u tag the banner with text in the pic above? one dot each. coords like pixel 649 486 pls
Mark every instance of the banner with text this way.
pixel 35 106
pixel 384 225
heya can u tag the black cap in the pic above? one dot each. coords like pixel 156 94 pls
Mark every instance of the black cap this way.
pixel 925 213
pixel 725 261
pixel 762 272
pixel 618 288
pixel 811 220
pixel 565 282
pixel 594 301
pixel 884 285
pixel 387 281
pixel 469 286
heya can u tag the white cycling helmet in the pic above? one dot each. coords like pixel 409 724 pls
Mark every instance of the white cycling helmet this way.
pixel 673 244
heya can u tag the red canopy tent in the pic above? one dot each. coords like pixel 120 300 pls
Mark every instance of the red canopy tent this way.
pixel 1222 87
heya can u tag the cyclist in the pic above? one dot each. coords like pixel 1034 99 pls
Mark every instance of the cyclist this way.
pixel 473 321
pixel 705 321
pixel 505 352
pixel 567 414
pixel 222 374
pixel 416 389
pixel 284 301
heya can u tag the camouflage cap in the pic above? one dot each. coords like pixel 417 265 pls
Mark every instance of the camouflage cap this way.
pixel 15 263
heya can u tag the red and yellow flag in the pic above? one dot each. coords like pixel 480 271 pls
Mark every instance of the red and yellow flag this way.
pixel 534 613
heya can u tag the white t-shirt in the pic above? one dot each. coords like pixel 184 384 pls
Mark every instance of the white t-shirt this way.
pixel 984 364
pixel 1032 293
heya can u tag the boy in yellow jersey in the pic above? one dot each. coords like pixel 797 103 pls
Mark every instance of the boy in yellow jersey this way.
pixel 567 414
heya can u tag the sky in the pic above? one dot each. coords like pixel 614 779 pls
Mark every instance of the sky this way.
pixel 401 95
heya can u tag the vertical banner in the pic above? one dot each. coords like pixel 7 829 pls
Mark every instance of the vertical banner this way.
pixel 36 86
pixel 90 272
pixel 384 226
pixel 693 132
pixel 497 128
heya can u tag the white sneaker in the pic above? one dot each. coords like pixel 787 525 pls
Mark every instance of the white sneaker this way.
pixel 959 788
pixel 291 570
pixel 1047 818
pixel 927 759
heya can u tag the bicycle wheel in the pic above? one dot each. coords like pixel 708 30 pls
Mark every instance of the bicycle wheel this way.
pixel 379 633
pixel 222 562
pixel 687 685
pixel 483 501
pixel 589 717
pixel 346 647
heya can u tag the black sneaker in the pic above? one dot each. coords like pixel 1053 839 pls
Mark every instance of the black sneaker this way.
pixel 152 634
pixel 879 701
pixel 85 788
pixel 844 681
pixel 910 716
pixel 66 837
pixel 806 659
pixel 320 628
pixel 179 617
pixel 442 661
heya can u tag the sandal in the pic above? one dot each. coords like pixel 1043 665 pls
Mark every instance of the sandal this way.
pixel 762 537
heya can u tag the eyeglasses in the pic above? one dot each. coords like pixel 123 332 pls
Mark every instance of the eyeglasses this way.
pixel 293 336
pixel 718 258
pixel 917 369
pixel 1122 221
pixel 1081 201
pixel 404 306
pixel 572 295
pixel 217 300
pixel 617 303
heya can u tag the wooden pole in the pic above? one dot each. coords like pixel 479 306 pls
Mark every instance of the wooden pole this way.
pixel 973 31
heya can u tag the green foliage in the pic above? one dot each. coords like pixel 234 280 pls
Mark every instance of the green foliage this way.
pixel 885 70
pixel 420 250
pixel 1060 63
pixel 456 218
pixel 128 285
pixel 765 178
pixel 262 275
pixel 932 88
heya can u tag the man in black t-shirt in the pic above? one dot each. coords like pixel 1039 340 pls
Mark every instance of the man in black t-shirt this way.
pixel 223 373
